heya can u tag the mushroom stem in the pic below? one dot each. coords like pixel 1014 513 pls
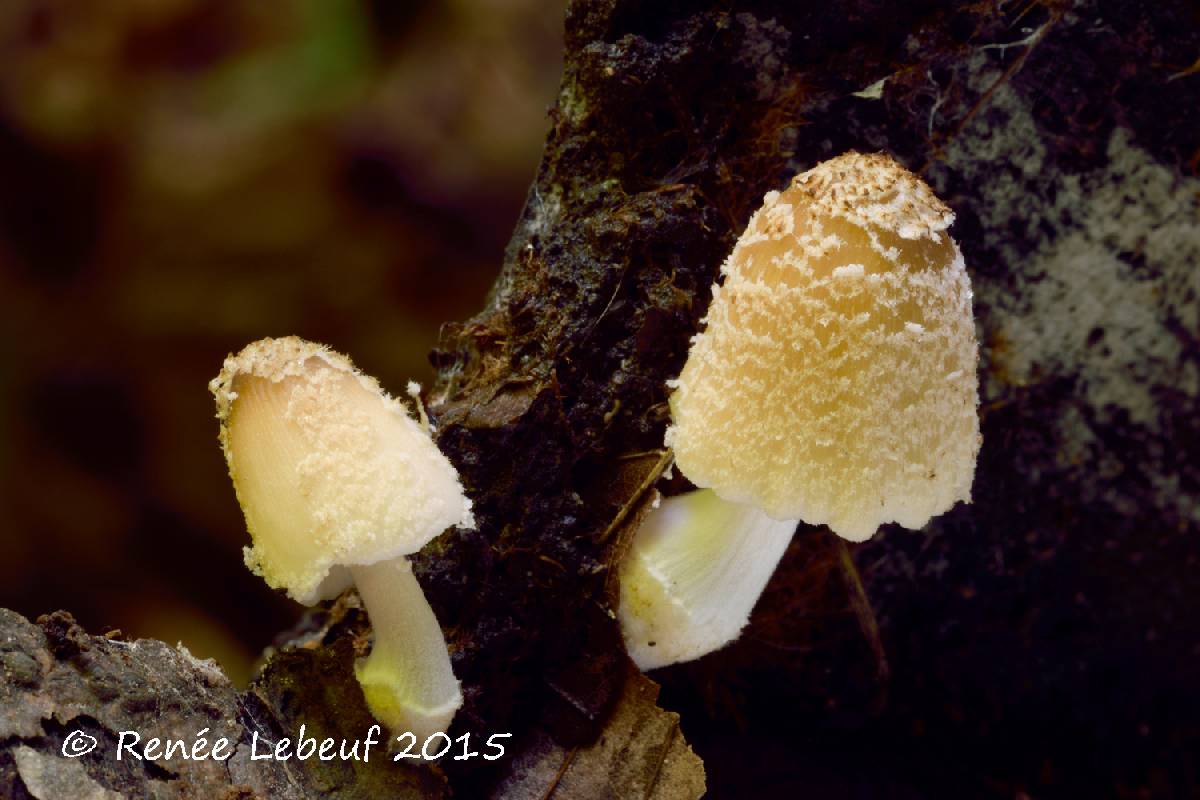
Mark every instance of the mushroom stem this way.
pixel 407 679
pixel 693 574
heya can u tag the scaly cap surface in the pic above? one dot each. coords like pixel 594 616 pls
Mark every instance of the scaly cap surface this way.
pixel 328 468
pixel 835 380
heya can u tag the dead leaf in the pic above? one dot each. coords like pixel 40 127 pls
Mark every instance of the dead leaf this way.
pixel 640 755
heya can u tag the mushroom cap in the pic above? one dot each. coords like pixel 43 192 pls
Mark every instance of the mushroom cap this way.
pixel 329 470
pixel 835 380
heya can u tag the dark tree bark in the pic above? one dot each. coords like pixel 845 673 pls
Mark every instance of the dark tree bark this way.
pixel 1043 639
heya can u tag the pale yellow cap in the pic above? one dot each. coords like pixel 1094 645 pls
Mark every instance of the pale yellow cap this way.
pixel 329 470
pixel 835 380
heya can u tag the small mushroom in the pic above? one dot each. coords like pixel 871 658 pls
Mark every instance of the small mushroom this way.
pixel 338 485
pixel 834 383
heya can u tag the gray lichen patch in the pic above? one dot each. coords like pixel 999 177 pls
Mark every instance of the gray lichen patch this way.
pixel 1118 288
pixel 1110 289
pixel 1105 295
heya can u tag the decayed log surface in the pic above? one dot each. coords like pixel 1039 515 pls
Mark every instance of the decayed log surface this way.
pixel 1042 639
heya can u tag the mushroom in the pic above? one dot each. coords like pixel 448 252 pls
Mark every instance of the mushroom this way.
pixel 834 383
pixel 338 485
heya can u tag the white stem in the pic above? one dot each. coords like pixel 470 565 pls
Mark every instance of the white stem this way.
pixel 407 679
pixel 693 573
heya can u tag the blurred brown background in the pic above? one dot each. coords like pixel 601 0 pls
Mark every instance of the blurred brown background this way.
pixel 180 177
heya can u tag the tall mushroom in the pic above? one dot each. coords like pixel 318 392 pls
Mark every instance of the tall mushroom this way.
pixel 338 485
pixel 834 383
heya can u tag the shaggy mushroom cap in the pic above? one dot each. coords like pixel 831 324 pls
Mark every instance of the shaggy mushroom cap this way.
pixel 835 380
pixel 330 471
